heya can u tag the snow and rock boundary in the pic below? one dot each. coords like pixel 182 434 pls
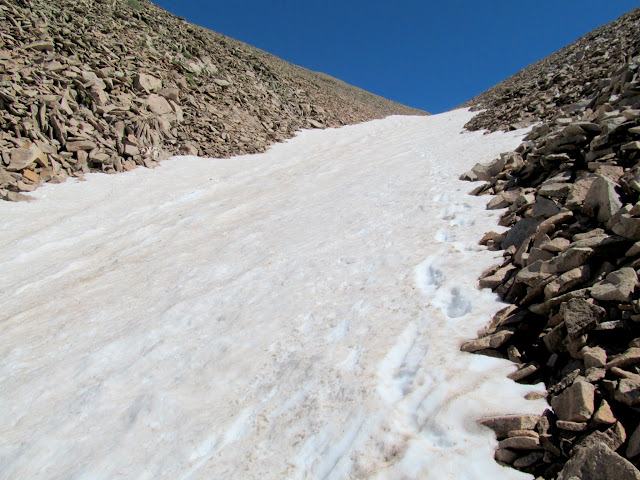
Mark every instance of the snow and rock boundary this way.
pixel 570 271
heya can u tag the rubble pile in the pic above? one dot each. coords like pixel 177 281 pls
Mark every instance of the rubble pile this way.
pixel 571 192
pixel 566 81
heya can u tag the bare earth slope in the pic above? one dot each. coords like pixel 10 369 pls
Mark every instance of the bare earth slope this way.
pixel 111 84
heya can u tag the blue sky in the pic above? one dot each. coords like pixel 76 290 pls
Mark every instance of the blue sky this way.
pixel 429 55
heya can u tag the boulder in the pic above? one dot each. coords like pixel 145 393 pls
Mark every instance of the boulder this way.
pixel 23 157
pixel 147 83
pixel 598 462
pixel 627 226
pixel 158 104
pixel 580 316
pixel 602 199
pixel 576 403
pixel 617 286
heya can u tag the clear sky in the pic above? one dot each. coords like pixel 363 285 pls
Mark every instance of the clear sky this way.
pixel 426 54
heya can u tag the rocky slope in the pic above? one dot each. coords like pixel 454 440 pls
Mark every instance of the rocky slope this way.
pixel 571 259
pixel 566 81
pixel 109 85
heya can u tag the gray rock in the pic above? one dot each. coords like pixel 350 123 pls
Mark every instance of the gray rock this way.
pixel 544 207
pixel 147 83
pixel 602 198
pixel 555 190
pixel 594 356
pixel 569 259
pixel 617 286
pixel 576 403
pixel 158 104
pixel 490 341
pixel 598 462
pixel 635 145
pixel 628 391
pixel 498 278
pixel 627 226
pixel 633 447
pixel 629 357
pixel 487 171
pixel 567 281
pixel 580 316
pixel 520 231
pixel 80 145
pixel 23 157
pixel 532 274
pixel 520 443
pixel 41 46
pixel 613 437
pixel 508 423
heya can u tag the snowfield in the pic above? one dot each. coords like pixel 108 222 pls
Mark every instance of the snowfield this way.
pixel 290 315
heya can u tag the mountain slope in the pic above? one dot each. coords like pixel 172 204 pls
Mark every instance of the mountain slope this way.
pixel 567 80
pixel 571 199
pixel 111 84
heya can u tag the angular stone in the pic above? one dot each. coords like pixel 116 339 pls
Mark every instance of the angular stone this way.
pixel 498 278
pixel 523 372
pixel 172 94
pixel 602 198
pixel 554 190
pixel 93 80
pixel 635 145
pixel 41 45
pixel 598 462
pixel 520 443
pixel 629 357
pixel 490 341
pixel 593 374
pixel 628 391
pixel 532 274
pixel 25 156
pixel 503 425
pixel 487 171
pixel 594 357
pixel 627 226
pixel 580 316
pixel 528 460
pixel 571 426
pixel 604 415
pixel 158 104
pixel 222 82
pixel 579 190
pixel 30 175
pixel 633 447
pixel 544 207
pixel 556 245
pixel 569 259
pixel 576 403
pixel 80 145
pixel 504 455
pixel 146 82
pixel 520 231
pixel 18 197
pixel 617 286
pixel 567 281
pixel 613 437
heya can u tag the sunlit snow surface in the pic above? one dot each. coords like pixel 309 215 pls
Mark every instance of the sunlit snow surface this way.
pixel 290 315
